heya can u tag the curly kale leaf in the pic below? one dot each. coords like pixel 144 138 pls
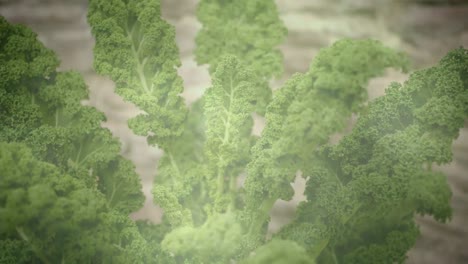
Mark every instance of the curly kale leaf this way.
pixel 16 251
pixel 216 241
pixel 179 180
pixel 304 113
pixel 136 48
pixel 53 217
pixel 43 108
pixel 374 181
pixel 250 30
pixel 279 252
pixel 24 63
pixel 228 108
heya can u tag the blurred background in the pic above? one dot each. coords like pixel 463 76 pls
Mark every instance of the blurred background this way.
pixel 425 29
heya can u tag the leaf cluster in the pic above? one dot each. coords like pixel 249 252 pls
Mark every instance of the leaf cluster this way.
pixel 66 193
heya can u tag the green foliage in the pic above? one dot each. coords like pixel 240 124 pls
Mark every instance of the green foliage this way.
pixel 65 190
pixel 48 216
pixel 43 108
pixel 216 241
pixel 304 113
pixel 136 48
pixel 279 252
pixel 381 172
pixel 66 193
pixel 250 30
pixel 16 251
pixel 228 107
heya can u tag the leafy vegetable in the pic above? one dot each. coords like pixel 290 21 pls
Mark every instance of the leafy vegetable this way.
pixel 363 192
pixel 278 252
pixel 66 193
pixel 43 108
pixel 251 30
pixel 304 113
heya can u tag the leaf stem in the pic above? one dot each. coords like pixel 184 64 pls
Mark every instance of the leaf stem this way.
pixel 264 210
pixel 227 127
pixel 139 65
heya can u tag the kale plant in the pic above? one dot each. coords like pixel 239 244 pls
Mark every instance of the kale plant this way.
pixel 66 193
